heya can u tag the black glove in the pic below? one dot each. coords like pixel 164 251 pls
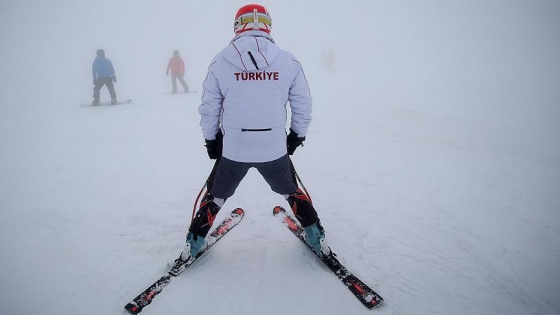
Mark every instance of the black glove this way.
pixel 114 79
pixel 214 147
pixel 293 141
pixel 94 81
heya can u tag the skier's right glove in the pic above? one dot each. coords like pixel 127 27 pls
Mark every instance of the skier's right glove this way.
pixel 114 79
pixel 214 147
pixel 293 141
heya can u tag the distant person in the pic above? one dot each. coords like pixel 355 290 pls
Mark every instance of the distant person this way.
pixel 176 66
pixel 103 74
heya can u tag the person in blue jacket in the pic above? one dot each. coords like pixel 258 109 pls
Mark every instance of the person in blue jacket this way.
pixel 103 74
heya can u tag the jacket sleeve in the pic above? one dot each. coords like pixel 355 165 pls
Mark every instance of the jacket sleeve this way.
pixel 112 69
pixel 300 100
pixel 93 70
pixel 211 108
pixel 168 66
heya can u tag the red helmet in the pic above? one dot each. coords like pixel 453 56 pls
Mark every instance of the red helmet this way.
pixel 252 17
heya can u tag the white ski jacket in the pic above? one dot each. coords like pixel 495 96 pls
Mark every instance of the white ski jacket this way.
pixel 245 94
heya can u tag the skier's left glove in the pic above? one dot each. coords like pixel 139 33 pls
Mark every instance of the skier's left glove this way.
pixel 114 79
pixel 214 147
pixel 293 141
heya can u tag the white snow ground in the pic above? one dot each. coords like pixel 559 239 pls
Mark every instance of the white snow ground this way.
pixel 433 159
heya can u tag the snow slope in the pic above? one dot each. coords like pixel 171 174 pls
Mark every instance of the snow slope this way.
pixel 433 160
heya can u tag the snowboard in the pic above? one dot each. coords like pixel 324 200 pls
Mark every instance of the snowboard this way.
pixel 189 92
pixel 128 101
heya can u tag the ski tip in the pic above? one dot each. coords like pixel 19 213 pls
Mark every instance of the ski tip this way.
pixel 278 209
pixel 238 211
pixel 133 308
pixel 375 303
pixel 372 300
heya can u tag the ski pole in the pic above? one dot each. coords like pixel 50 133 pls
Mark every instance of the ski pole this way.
pixel 207 185
pixel 296 176
pixel 198 197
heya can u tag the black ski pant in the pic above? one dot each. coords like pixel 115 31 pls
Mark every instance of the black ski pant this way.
pixel 99 83
pixel 277 173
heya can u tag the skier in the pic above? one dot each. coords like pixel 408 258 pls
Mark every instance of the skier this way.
pixel 177 67
pixel 244 120
pixel 103 74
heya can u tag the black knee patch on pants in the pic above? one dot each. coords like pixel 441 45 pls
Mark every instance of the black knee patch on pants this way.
pixel 302 208
pixel 204 217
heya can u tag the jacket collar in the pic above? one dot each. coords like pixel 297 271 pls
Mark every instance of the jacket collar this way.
pixel 253 33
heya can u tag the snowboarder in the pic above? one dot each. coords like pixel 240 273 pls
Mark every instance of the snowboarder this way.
pixel 177 67
pixel 244 120
pixel 103 74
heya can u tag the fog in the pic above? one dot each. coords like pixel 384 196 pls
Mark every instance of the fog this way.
pixel 451 57
pixel 433 156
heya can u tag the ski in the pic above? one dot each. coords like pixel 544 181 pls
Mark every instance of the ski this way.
pixel 363 292
pixel 138 303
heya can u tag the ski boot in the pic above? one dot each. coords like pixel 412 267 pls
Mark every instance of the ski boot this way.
pixel 195 244
pixel 199 227
pixel 114 102
pixel 315 238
